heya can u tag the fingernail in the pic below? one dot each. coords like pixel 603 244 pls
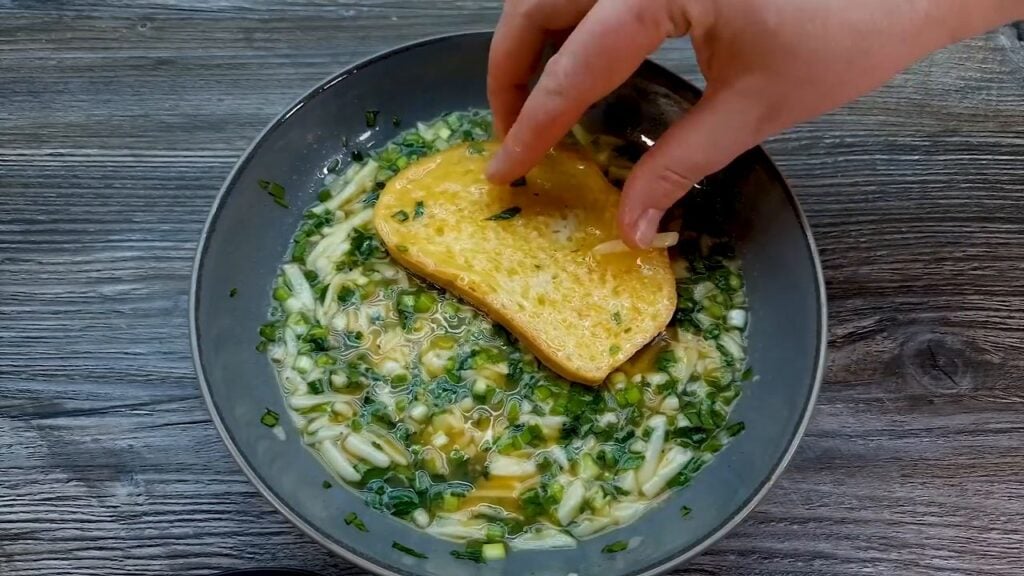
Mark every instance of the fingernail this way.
pixel 647 226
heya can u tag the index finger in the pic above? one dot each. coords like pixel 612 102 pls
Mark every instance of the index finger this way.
pixel 609 44
pixel 516 50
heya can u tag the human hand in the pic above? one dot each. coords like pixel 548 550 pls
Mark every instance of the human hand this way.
pixel 769 64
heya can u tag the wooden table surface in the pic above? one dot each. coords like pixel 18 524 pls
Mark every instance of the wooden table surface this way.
pixel 119 119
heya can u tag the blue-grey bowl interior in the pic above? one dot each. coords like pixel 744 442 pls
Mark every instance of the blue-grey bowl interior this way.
pixel 247 235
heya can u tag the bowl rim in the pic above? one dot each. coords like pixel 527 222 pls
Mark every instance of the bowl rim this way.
pixel 725 527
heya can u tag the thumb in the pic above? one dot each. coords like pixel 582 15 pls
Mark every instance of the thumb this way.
pixel 715 131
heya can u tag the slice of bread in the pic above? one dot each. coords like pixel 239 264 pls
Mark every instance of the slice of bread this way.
pixel 523 255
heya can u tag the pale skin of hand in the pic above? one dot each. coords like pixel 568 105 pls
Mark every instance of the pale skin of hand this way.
pixel 769 64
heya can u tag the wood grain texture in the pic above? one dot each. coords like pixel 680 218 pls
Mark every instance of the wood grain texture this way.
pixel 119 120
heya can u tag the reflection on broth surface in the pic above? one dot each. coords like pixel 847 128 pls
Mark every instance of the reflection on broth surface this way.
pixel 439 417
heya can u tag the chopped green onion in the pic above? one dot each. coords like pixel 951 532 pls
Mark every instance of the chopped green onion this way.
pixel 506 214
pixel 735 429
pixel 270 418
pixel 353 520
pixel 419 210
pixel 401 216
pixel 615 547
pixel 403 548
pixel 493 551
pixel 494 533
pixel 471 555
pixel 617 318
pixel 268 331
pixel 424 302
pixel 282 293
pixel 281 203
pixel 371 118
pixel 272 188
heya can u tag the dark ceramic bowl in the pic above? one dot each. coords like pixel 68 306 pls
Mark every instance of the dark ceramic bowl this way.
pixel 247 235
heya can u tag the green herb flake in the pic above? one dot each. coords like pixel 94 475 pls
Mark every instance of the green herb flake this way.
pixel 735 429
pixel 324 195
pixel 506 214
pixel 617 318
pixel 371 118
pixel 615 547
pixel 475 148
pixel 685 511
pixel 396 121
pixel 471 555
pixel 233 292
pixel 352 519
pixel 614 349
pixel 400 216
pixel 419 210
pixel 326 485
pixel 403 548
pixel 270 418
pixel 518 182
pixel 275 190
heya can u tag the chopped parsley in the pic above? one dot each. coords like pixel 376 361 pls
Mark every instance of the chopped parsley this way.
pixel 371 118
pixel 270 418
pixel 396 121
pixel 401 216
pixel 685 511
pixel 419 210
pixel 615 547
pixel 233 293
pixel 506 214
pixel 403 548
pixel 352 519
pixel 275 190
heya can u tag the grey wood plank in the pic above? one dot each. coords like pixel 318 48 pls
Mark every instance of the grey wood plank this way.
pixel 120 119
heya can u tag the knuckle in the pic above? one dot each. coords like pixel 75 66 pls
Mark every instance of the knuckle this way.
pixel 670 184
pixel 558 78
